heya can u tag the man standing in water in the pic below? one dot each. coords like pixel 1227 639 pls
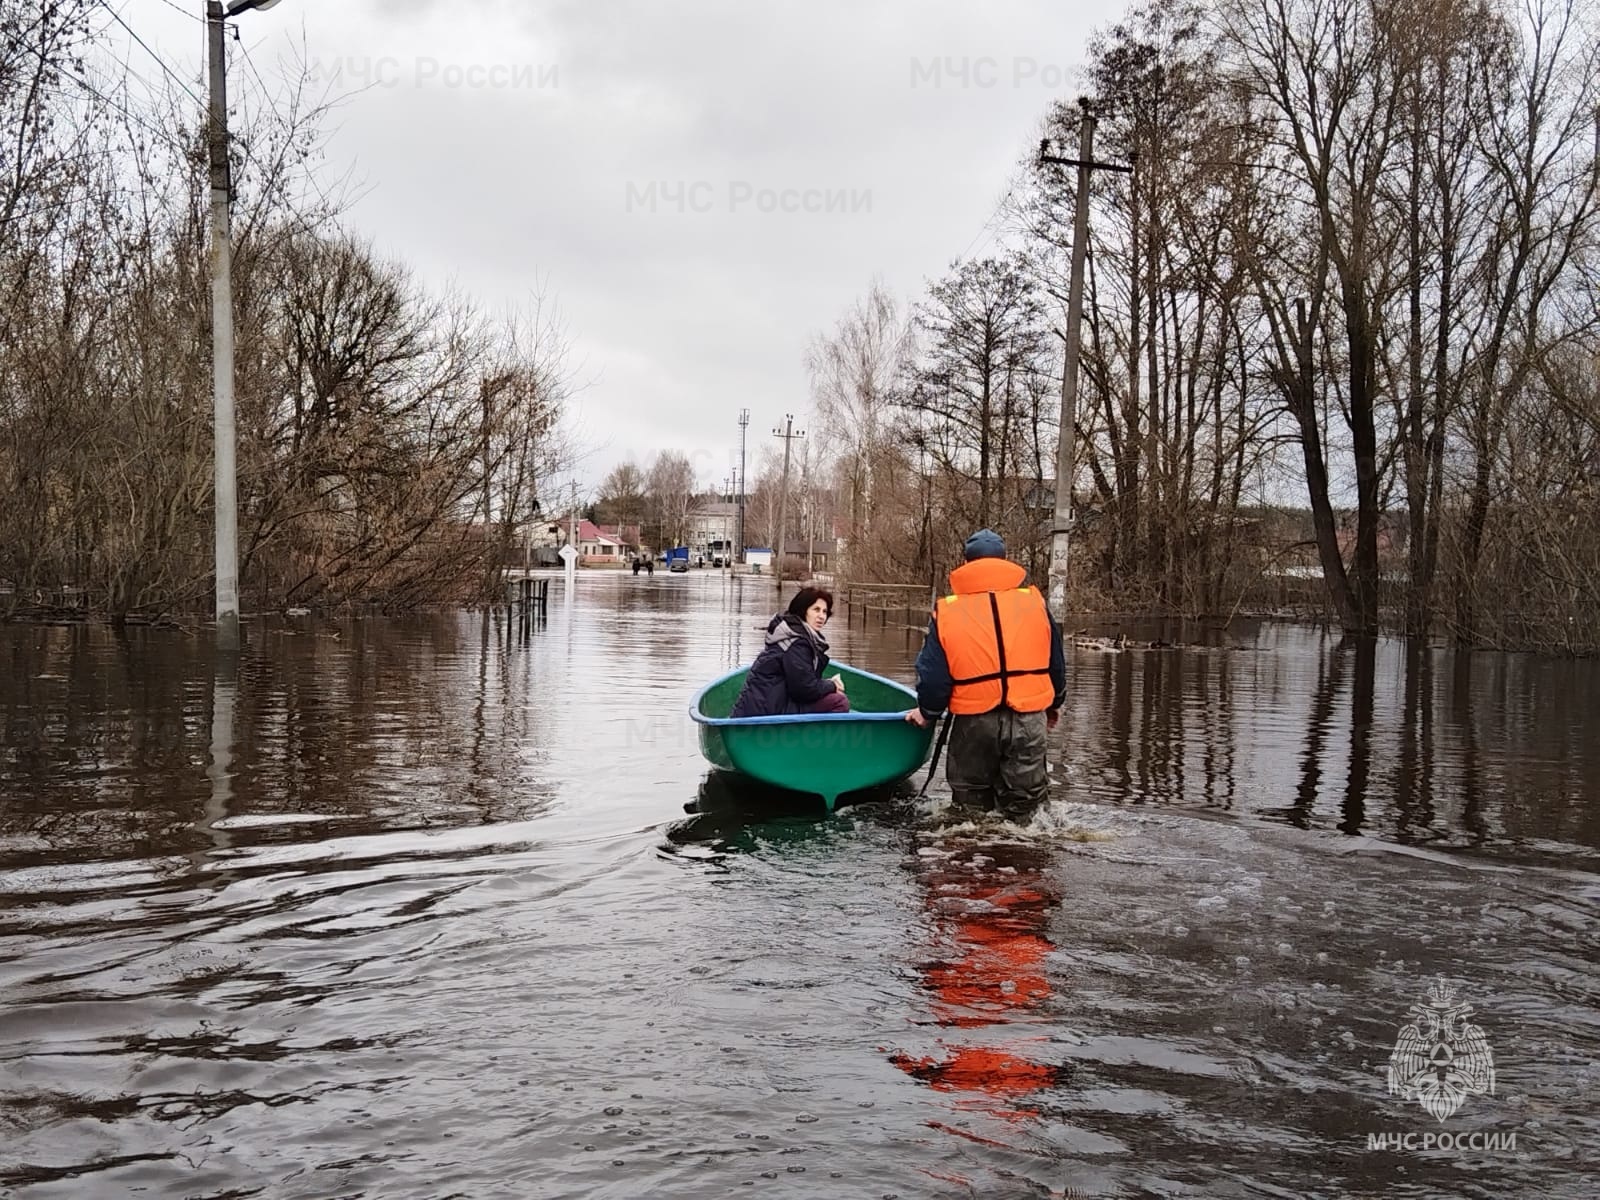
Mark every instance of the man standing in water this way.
pixel 994 658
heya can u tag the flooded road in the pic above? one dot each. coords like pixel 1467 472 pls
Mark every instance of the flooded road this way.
pixel 414 908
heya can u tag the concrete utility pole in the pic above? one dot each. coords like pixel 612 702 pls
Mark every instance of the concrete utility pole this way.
pixel 1066 445
pixel 788 433
pixel 224 432
pixel 808 510
pixel 224 468
pixel 744 424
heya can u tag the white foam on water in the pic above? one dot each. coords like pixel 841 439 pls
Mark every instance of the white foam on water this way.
pixel 263 820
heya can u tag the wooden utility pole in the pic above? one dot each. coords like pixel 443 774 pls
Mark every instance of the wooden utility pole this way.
pixel 1066 445
pixel 788 433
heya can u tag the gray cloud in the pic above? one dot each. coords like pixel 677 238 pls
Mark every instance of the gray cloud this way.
pixel 681 316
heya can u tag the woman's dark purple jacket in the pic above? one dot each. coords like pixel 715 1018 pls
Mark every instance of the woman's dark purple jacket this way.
pixel 784 679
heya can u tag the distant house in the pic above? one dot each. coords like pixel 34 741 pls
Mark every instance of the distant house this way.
pixel 1392 531
pixel 595 546
pixel 598 545
pixel 626 536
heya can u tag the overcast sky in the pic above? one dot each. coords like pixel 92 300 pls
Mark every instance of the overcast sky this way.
pixel 507 143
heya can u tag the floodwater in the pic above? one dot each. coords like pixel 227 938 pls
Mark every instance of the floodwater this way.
pixel 414 908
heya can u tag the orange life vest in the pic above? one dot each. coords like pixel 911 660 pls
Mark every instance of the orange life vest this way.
pixel 996 638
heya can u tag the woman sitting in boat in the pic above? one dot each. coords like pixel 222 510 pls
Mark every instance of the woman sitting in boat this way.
pixel 787 674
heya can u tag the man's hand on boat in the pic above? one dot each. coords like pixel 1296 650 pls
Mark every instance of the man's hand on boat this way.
pixel 838 683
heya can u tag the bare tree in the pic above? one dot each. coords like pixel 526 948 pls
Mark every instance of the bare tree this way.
pixel 673 494
pixel 523 394
pixel 854 372
pixel 1173 419
pixel 375 419
pixel 622 497
pixel 1323 76
pixel 974 402
pixel 1539 140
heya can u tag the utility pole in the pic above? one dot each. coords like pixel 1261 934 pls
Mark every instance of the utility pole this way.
pixel 1066 445
pixel 223 426
pixel 808 509
pixel 488 467
pixel 224 466
pixel 926 538
pixel 744 423
pixel 788 433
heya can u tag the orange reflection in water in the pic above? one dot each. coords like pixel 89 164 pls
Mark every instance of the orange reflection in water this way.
pixel 990 906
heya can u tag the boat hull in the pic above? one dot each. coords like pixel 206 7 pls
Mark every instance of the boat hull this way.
pixel 825 754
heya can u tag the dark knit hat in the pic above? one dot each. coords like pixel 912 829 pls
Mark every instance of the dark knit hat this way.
pixel 985 543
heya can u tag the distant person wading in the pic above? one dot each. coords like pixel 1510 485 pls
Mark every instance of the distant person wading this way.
pixel 994 658
pixel 787 675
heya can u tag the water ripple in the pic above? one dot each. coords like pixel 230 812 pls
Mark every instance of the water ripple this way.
pixel 415 911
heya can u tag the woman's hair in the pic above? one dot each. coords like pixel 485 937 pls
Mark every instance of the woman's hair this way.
pixel 806 597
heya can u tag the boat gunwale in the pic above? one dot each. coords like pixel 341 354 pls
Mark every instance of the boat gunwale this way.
pixel 801 718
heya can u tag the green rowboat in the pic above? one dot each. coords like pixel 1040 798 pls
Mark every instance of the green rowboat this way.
pixel 826 754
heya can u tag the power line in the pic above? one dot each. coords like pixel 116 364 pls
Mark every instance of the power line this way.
pixel 105 4
pixel 250 62
pixel 160 134
pixel 40 210
pixel 310 175
pixel 995 212
pixel 184 11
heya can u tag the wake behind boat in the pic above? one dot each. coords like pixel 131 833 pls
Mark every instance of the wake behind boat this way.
pixel 826 754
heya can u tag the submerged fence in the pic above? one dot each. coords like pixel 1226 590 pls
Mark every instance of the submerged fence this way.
pixel 903 606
